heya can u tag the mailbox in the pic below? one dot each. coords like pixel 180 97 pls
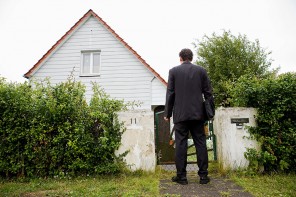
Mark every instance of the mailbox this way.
pixel 239 122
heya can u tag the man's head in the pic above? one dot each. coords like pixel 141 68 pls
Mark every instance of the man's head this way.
pixel 186 55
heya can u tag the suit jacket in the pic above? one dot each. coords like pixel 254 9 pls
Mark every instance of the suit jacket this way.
pixel 187 84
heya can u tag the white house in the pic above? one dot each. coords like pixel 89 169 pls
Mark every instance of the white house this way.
pixel 92 51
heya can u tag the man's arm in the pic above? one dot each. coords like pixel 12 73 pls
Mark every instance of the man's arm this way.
pixel 206 86
pixel 208 95
pixel 170 96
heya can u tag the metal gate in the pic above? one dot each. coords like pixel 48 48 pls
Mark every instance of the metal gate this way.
pixel 164 142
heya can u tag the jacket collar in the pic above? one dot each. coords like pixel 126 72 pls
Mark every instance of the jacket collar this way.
pixel 186 62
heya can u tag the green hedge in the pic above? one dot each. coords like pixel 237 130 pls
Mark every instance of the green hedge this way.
pixel 52 131
pixel 275 100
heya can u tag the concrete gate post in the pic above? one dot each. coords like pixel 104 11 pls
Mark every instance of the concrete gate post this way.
pixel 138 139
pixel 231 132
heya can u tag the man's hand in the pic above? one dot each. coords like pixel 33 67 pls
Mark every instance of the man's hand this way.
pixel 166 119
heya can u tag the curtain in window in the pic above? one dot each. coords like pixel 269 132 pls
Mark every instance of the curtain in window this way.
pixel 96 62
pixel 86 63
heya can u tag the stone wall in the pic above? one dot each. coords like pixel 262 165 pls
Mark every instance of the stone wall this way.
pixel 138 139
pixel 232 138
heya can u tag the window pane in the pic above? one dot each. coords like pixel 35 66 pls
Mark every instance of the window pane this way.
pixel 86 63
pixel 96 62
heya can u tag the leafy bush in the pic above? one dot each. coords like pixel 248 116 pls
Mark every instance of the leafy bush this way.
pixel 226 57
pixel 275 101
pixel 51 130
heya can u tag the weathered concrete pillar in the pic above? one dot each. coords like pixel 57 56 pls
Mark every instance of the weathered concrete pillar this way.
pixel 138 139
pixel 231 132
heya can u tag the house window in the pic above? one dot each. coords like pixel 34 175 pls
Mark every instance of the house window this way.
pixel 90 62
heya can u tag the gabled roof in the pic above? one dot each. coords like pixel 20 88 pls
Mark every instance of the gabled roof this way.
pixel 73 29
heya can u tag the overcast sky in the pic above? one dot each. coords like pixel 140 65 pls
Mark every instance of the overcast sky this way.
pixel 156 29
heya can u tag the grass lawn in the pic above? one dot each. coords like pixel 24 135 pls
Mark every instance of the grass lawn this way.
pixel 131 184
pixel 268 185
pixel 139 184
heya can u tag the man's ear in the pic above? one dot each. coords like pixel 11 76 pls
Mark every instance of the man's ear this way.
pixel 181 60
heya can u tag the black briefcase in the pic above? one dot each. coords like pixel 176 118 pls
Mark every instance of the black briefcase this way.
pixel 209 108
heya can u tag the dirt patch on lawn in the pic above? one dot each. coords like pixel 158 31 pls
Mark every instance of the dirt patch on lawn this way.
pixel 40 193
pixel 34 194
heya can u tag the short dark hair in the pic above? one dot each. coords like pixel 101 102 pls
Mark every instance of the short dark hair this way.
pixel 186 54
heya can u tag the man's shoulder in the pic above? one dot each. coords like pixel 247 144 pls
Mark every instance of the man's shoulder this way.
pixel 198 66
pixel 175 68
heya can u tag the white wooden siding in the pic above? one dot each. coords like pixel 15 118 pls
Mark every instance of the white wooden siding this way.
pixel 122 75
pixel 158 93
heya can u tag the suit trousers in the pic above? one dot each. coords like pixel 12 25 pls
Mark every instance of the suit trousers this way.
pixel 196 129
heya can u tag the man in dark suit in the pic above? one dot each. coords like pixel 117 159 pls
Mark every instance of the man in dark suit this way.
pixel 187 85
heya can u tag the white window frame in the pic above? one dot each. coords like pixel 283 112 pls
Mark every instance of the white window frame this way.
pixel 91 73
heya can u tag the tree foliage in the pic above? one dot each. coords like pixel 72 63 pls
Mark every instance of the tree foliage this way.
pixel 227 57
pixel 51 130
pixel 274 98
